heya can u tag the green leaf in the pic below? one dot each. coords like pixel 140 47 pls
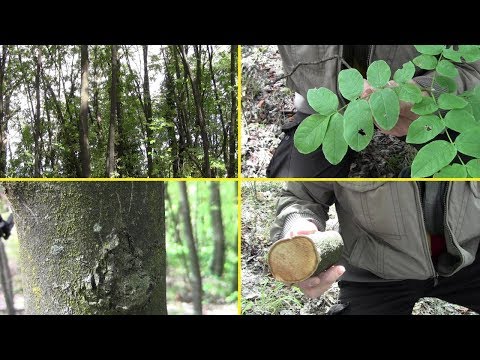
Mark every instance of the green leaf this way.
pixel 451 54
pixel 405 73
pixel 460 120
pixel 433 157
pixel 334 145
pixel 450 101
pixel 430 49
pixel 310 133
pixel 447 83
pixel 350 83
pixel 358 125
pixel 446 68
pixel 425 107
pixel 385 108
pixel 474 103
pixel 323 100
pixel 468 142
pixel 452 171
pixel 424 129
pixel 426 62
pixel 378 74
pixel 473 168
pixel 470 53
pixel 409 93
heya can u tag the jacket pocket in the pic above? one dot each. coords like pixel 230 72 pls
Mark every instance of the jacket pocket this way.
pixel 367 254
pixel 373 206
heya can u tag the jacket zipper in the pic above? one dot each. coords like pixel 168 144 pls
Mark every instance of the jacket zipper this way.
pixel 447 230
pixel 426 246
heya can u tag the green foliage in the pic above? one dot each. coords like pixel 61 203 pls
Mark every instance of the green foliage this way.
pixel 439 112
pixel 216 290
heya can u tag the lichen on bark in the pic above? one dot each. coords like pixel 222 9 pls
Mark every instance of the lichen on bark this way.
pixel 91 247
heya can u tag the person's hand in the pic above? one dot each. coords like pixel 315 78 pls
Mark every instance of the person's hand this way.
pixel 406 116
pixel 315 286
pixel 302 227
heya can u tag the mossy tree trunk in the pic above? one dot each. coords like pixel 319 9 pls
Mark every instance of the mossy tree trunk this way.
pixel 91 247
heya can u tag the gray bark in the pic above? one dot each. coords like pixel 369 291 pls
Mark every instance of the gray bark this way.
pixel 91 247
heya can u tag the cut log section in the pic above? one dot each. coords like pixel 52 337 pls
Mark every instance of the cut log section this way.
pixel 295 259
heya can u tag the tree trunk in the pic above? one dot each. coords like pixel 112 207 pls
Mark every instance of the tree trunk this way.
pixel 3 127
pixel 37 133
pixel 233 121
pixel 84 145
pixel 113 115
pixel 192 249
pixel 6 280
pixel 148 111
pixel 295 259
pixel 91 247
pixel 218 260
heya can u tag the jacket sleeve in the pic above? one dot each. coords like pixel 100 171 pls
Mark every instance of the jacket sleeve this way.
pixel 307 200
pixel 469 77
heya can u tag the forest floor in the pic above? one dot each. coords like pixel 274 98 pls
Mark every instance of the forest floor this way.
pixel 261 294
pixel 267 104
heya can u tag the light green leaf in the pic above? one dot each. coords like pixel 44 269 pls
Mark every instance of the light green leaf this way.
pixel 473 168
pixel 430 49
pixel 385 108
pixel 446 68
pixel 358 125
pixel 350 83
pixel 433 157
pixel 424 129
pixel 378 74
pixel 322 100
pixel 452 171
pixel 450 101
pixel 425 107
pixel 468 142
pixel 447 83
pixel 409 92
pixel 451 54
pixel 470 53
pixel 310 133
pixel 460 120
pixel 334 145
pixel 474 103
pixel 405 73
pixel 426 62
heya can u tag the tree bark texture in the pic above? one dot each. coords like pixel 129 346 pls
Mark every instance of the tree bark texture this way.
pixel 91 247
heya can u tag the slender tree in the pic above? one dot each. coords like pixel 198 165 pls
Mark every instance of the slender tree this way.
pixel 233 120
pixel 218 259
pixel 83 124
pixel 113 114
pixel 192 249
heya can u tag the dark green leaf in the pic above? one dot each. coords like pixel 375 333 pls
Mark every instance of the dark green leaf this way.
pixel 446 68
pixel 385 108
pixel 334 145
pixel 470 53
pixel 425 107
pixel 405 73
pixel 426 62
pixel 310 133
pixel 424 129
pixel 450 101
pixel 468 142
pixel 460 120
pixel 433 157
pixel 378 74
pixel 430 49
pixel 358 125
pixel 323 100
pixel 451 54
pixel 452 171
pixel 350 83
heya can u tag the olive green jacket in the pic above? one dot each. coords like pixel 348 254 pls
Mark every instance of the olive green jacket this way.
pixel 383 227
pixel 315 75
